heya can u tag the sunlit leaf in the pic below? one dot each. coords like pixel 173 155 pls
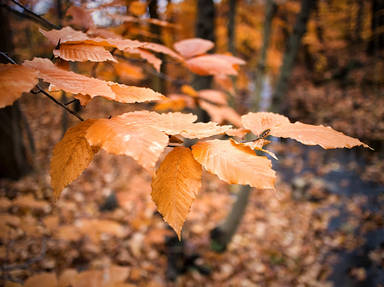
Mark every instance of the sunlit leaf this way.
pixel 213 96
pixel 261 121
pixel 193 47
pixel 235 164
pixel 15 80
pixel 132 94
pixel 82 53
pixel 176 185
pixel 326 137
pixel 210 65
pixel 70 157
pixel 121 136
pixel 69 81
pixel 221 114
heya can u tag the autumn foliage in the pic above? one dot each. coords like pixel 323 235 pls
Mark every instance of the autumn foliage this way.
pixel 146 135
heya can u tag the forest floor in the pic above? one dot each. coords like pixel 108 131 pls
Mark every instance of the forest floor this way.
pixel 323 226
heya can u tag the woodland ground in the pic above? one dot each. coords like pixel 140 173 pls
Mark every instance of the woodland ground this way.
pixel 322 227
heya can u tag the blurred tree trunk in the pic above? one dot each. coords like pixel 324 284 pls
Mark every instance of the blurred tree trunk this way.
pixel 270 11
pixel 222 234
pixel 232 26
pixel 158 84
pixel 291 51
pixel 205 28
pixel 377 25
pixel 13 152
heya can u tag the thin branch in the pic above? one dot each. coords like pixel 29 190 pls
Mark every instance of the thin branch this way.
pixel 59 103
pixel 41 19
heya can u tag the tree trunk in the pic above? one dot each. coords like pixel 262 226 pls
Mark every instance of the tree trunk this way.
pixel 13 154
pixel 222 234
pixel 377 25
pixel 270 11
pixel 205 28
pixel 158 83
pixel 232 26
pixel 291 51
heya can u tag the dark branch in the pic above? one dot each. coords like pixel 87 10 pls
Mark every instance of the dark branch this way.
pixel 42 20
pixel 59 103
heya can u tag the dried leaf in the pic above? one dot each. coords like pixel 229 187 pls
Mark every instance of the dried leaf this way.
pixel 15 80
pixel 326 137
pixel 120 136
pixel 42 279
pixel 150 58
pixel 210 65
pixel 193 47
pixel 234 164
pixel 230 59
pixel 138 8
pixel 69 81
pixel 213 96
pixel 80 17
pixel 82 53
pixel 259 122
pixel 171 104
pixel 176 185
pixel 71 156
pixel 132 94
pixel 256 145
pixel 188 90
pixel 240 132
pixel 128 72
pixel 221 114
pixel 84 99
pixel 175 124
pixel 162 49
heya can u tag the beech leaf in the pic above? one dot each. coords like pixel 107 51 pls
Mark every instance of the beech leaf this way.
pixel 15 80
pixel 120 136
pixel 221 114
pixel 261 121
pixel 69 81
pixel 193 47
pixel 132 94
pixel 206 65
pixel 82 53
pixel 326 137
pixel 71 156
pixel 176 185
pixel 235 164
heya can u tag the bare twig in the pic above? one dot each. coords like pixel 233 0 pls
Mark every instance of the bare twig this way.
pixel 33 260
pixel 41 19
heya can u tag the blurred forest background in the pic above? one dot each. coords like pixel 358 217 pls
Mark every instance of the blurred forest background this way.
pixel 315 61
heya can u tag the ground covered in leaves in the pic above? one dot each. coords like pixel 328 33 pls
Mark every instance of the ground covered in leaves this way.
pixel 323 226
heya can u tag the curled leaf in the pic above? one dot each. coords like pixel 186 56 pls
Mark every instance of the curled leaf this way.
pixel 82 53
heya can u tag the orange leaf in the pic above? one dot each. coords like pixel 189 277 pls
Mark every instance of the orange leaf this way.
pixel 121 136
pixel 15 80
pixel 128 72
pixel 188 90
pixel 326 137
pixel 259 122
pixel 80 17
pixel 173 104
pixel 230 59
pixel 221 114
pixel 82 53
pixel 138 8
pixel 71 156
pixel 42 279
pixel 162 49
pixel 175 124
pixel 210 65
pixel 150 58
pixel 132 94
pixel 176 185
pixel 84 99
pixel 193 47
pixel 234 164
pixel 69 81
pixel 213 96
pixel 256 145
pixel 240 132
